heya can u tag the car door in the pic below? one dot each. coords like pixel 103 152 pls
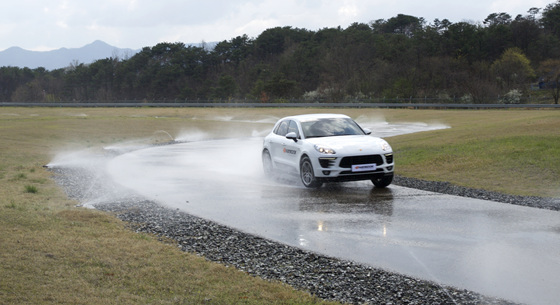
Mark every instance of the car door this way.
pixel 278 141
pixel 291 150
pixel 285 151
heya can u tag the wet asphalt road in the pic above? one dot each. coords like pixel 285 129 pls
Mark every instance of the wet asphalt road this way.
pixel 492 248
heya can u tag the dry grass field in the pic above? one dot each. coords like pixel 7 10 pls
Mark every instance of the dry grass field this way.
pixel 54 252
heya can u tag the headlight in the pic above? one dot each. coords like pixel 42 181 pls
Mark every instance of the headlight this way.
pixel 385 146
pixel 324 150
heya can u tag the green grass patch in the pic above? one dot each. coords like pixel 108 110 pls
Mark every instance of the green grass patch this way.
pixel 513 152
pixel 31 189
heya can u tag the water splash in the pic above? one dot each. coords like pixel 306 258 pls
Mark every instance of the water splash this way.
pixel 383 129
pixel 159 132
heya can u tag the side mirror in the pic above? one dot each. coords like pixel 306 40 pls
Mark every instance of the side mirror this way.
pixel 292 136
pixel 367 131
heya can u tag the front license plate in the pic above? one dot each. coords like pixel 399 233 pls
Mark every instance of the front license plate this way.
pixel 364 167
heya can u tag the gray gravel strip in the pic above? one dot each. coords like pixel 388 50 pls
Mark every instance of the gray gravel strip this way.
pixel 326 277
pixel 450 189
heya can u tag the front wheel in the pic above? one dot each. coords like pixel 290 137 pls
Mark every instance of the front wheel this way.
pixel 382 181
pixel 307 175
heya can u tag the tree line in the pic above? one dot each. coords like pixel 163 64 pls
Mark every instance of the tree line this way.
pixel 502 59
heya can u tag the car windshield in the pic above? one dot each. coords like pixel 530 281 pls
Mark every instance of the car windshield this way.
pixel 328 127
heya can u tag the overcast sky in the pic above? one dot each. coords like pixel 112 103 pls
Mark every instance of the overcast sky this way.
pixel 51 24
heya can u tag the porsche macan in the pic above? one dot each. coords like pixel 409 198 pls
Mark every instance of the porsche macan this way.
pixel 327 148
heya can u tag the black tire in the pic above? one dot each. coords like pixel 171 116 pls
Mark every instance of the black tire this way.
pixel 268 167
pixel 382 182
pixel 307 175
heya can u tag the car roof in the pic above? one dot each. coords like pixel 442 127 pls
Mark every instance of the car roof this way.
pixel 315 116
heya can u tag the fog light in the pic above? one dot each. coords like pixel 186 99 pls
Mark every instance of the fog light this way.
pixel 326 173
pixel 389 168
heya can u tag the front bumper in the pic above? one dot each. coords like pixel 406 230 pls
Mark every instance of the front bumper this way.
pixel 340 168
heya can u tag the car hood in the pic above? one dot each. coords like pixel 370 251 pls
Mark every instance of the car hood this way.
pixel 349 144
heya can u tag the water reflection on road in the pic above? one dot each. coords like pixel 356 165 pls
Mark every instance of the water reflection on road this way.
pixel 492 248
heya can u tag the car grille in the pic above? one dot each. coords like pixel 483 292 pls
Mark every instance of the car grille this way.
pixel 347 162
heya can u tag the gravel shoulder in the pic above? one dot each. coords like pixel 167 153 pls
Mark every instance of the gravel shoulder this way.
pixel 450 189
pixel 326 277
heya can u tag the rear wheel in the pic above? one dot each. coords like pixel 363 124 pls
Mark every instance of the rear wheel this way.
pixel 382 181
pixel 267 164
pixel 307 175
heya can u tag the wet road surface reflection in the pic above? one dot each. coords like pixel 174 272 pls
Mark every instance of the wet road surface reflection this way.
pixel 491 248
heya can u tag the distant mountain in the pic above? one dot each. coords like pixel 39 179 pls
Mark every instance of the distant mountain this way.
pixel 61 58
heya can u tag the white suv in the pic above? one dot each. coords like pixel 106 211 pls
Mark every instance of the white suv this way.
pixel 327 148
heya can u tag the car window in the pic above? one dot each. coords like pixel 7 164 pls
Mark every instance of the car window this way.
pixel 293 128
pixel 282 129
pixel 329 127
